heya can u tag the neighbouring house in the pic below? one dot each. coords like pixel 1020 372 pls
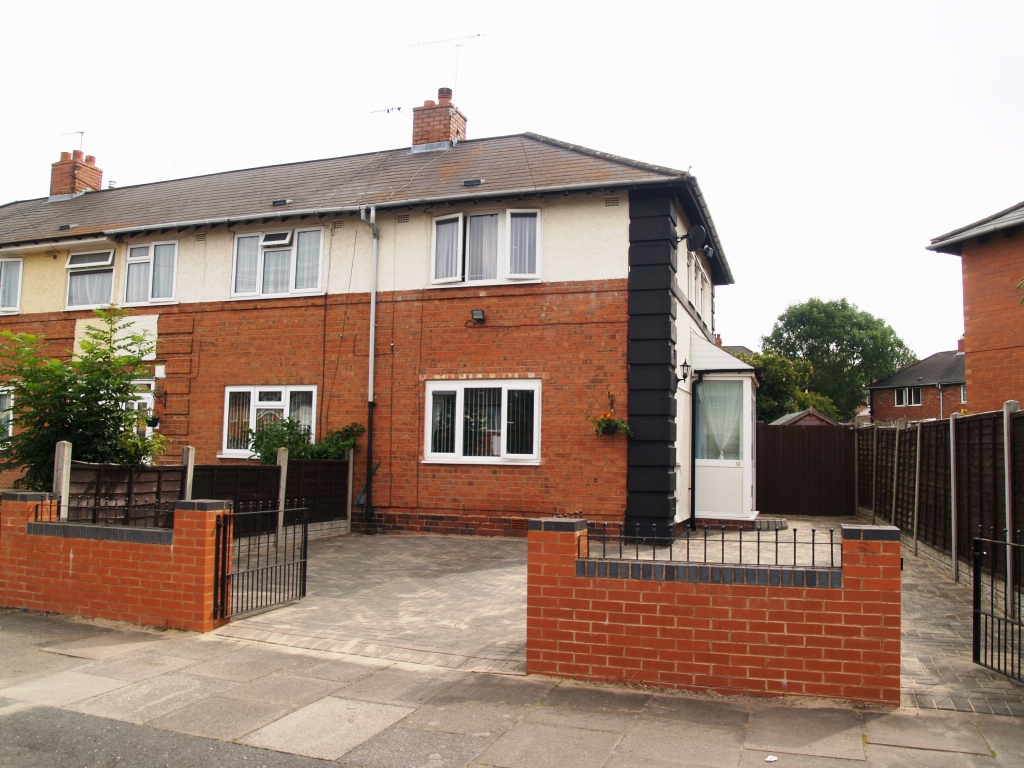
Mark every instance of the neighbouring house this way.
pixel 473 302
pixel 930 389
pixel 991 254
pixel 806 418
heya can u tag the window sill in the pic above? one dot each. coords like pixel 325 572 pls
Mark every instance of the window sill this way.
pixel 85 308
pixel 242 455
pixel 463 461
pixel 486 283
pixel 158 303
pixel 268 296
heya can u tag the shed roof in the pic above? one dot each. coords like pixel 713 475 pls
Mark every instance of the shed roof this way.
pixel 506 166
pixel 951 242
pixel 940 368
pixel 790 418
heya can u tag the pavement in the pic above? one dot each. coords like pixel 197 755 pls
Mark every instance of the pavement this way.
pixel 408 652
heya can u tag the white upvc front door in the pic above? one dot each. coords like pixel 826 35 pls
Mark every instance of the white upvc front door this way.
pixel 724 463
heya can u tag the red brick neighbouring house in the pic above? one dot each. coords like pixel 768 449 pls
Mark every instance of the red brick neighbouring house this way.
pixel 992 261
pixel 520 284
pixel 930 389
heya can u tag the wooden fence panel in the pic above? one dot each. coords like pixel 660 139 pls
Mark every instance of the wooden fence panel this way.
pixel 886 447
pixel 865 460
pixel 322 485
pixel 934 526
pixel 245 485
pixel 805 470
pixel 979 483
pixel 1017 457
pixel 91 483
pixel 906 480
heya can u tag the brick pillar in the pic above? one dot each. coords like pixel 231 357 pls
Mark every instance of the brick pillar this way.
pixel 195 529
pixel 552 544
pixel 17 510
pixel 872 577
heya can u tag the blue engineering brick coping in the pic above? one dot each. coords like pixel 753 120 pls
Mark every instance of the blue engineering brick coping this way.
pixel 120 533
pixel 703 573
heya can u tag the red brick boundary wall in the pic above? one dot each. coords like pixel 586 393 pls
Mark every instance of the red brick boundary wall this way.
pixel 726 629
pixel 159 577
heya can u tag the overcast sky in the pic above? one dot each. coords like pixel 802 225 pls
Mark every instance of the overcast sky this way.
pixel 831 141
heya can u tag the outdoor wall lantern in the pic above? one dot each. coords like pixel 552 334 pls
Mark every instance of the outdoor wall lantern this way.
pixel 684 369
pixel 477 315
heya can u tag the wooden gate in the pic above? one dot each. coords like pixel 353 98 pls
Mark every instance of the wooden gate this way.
pixel 806 470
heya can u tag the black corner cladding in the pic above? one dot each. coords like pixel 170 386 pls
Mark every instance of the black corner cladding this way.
pixel 650 475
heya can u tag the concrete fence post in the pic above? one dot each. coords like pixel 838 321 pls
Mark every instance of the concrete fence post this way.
pixel 348 506
pixel 282 462
pixel 1010 407
pixel 62 476
pixel 917 484
pixel 188 460
pixel 954 521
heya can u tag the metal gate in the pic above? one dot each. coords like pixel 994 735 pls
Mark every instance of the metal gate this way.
pixel 997 605
pixel 260 560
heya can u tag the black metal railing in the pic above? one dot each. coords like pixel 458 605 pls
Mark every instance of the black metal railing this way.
pixel 793 547
pixel 94 510
pixel 260 559
pixel 998 625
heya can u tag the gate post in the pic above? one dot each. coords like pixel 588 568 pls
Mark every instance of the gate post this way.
pixel 1010 407
pixel 188 460
pixel 282 462
pixel 952 496
pixel 62 477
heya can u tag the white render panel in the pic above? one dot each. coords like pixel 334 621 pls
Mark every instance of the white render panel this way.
pixel 708 357
pixel 138 324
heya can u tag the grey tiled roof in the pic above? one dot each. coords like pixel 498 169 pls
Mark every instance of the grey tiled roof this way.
pixel 940 368
pixel 1005 219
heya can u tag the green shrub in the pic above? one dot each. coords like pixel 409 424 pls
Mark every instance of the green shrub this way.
pixel 290 434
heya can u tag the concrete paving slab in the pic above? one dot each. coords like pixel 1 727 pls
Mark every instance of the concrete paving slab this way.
pixel 46 629
pixel 61 689
pixel 535 745
pixel 219 717
pixel 720 713
pixel 472 718
pixel 663 740
pixel 327 728
pixel 105 644
pixel 139 702
pixel 136 666
pixel 400 747
pixel 587 719
pixel 191 645
pixel 410 686
pixel 293 692
pixel 1005 737
pixel 900 757
pixel 343 671
pixel 620 761
pixel 815 731
pixel 22 667
pixel 242 664
pixel 922 729
pixel 571 694
pixel 499 689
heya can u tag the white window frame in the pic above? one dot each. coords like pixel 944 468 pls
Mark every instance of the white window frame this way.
pixel 535 275
pixel 97 267
pixel 10 416
pixel 963 394
pixel 254 402
pixel 21 279
pixel 504 245
pixel 293 264
pixel 459 387
pixel 906 397
pixel 148 258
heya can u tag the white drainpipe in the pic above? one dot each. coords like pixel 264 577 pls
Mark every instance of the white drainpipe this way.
pixel 371 221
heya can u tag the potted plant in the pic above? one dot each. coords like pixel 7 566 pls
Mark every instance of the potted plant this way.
pixel 610 424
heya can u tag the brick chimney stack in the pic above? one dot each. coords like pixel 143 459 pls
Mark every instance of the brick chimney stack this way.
pixel 960 344
pixel 74 173
pixel 436 122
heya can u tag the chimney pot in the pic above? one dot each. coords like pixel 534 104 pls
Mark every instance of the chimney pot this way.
pixel 429 103
pixel 76 154
pixel 90 160
pixel 65 157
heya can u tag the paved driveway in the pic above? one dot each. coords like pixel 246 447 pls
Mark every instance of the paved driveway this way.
pixel 441 601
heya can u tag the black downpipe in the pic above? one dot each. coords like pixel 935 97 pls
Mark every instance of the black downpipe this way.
pixel 369 467
pixel 693 450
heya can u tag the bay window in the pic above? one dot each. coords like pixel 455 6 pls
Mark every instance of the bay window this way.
pixel 482 421
pixel 90 280
pixel 10 285
pixel 277 263
pixel 150 272
pixel 487 247
pixel 253 408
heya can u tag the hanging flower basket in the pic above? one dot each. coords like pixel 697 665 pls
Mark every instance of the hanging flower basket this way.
pixel 153 422
pixel 610 424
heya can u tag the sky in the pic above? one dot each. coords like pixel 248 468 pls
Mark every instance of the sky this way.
pixel 831 140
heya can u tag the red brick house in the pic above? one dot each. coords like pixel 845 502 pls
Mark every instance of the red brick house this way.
pixel 930 389
pixel 518 286
pixel 992 261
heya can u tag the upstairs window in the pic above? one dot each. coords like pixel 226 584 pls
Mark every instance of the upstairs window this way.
pixel 90 279
pixel 963 394
pixel 482 421
pixel 150 273
pixel 487 247
pixel 277 263
pixel 6 413
pixel 908 396
pixel 253 408
pixel 10 285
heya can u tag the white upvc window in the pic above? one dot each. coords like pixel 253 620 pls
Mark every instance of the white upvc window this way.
pixel 10 285
pixel 963 394
pixel 252 408
pixel 6 412
pixel 482 421
pixel 486 247
pixel 278 262
pixel 908 396
pixel 150 273
pixel 90 279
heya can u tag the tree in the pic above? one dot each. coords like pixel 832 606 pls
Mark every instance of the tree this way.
pixel 784 385
pixel 847 348
pixel 290 434
pixel 83 399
